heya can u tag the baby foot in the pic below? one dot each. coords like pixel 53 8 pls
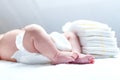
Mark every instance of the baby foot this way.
pixel 64 57
pixel 84 59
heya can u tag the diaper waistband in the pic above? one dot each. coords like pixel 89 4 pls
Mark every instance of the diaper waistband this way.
pixel 19 42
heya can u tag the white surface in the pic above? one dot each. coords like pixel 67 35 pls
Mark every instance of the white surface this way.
pixel 102 69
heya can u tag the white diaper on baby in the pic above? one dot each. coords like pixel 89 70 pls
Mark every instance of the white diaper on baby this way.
pixel 23 56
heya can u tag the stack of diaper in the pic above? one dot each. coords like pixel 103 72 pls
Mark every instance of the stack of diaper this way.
pixel 96 38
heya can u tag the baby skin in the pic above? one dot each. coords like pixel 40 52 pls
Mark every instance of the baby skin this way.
pixel 37 40
pixel 76 48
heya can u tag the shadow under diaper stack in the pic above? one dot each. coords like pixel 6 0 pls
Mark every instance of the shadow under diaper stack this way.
pixel 96 38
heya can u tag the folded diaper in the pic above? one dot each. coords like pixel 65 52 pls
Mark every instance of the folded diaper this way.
pixel 98 44
pixel 98 32
pixel 101 49
pixel 96 38
pixel 110 51
pixel 98 41
pixel 81 25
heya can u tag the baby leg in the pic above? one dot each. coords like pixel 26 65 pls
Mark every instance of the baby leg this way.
pixel 43 43
pixel 76 48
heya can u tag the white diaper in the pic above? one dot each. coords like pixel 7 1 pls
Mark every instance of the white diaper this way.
pixel 23 56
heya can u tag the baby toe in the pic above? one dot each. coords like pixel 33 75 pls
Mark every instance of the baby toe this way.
pixel 91 59
pixel 75 55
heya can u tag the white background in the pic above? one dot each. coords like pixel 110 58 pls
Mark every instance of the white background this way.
pixel 53 14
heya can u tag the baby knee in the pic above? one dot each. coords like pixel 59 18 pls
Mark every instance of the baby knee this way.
pixel 33 28
pixel 71 34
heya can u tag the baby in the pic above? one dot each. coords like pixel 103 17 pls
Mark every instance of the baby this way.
pixel 16 45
